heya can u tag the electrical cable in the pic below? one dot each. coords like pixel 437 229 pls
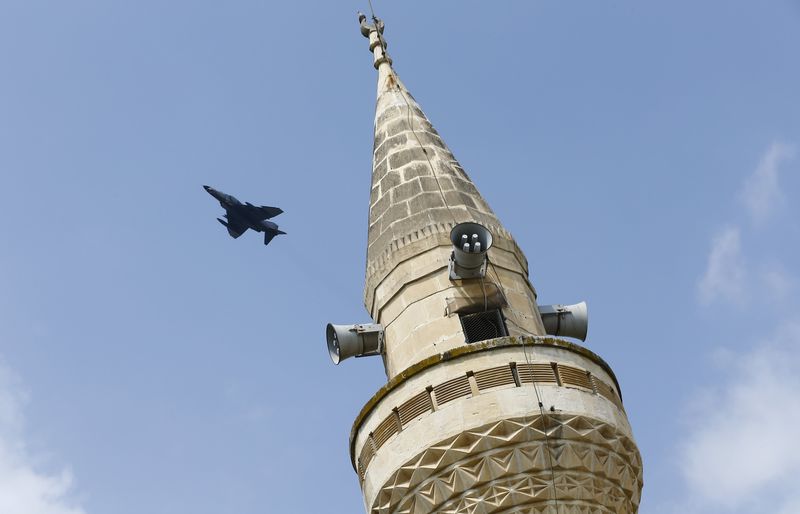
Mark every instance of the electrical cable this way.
pixel 544 416
pixel 545 420
pixel 483 288
pixel 424 150
pixel 409 110
pixel 415 301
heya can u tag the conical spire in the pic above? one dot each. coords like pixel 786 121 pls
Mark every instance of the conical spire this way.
pixel 419 190
pixel 417 183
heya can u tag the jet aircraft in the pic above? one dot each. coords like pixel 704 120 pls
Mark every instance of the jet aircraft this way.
pixel 241 216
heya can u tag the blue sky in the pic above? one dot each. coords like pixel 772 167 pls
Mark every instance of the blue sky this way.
pixel 645 155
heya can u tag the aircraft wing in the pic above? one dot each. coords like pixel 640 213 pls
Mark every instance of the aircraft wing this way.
pixel 235 229
pixel 264 212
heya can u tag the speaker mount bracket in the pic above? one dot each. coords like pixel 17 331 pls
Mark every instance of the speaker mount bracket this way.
pixel 460 273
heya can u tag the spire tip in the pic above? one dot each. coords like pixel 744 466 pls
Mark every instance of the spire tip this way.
pixel 377 45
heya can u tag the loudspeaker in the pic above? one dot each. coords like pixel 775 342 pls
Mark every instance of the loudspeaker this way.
pixel 345 341
pixel 470 241
pixel 566 320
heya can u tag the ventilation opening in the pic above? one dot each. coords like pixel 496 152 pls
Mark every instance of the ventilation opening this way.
pixel 483 325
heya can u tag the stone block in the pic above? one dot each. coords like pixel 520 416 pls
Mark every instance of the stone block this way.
pixel 428 336
pixel 411 224
pixel 379 207
pixel 415 170
pixel 425 124
pixel 379 170
pixel 380 137
pixel 374 231
pixel 425 201
pixel 395 213
pixel 391 309
pixel 506 264
pixel 427 139
pixel 465 187
pixel 380 244
pixel 478 213
pixel 406 190
pixel 420 289
pixel 399 126
pixel 453 215
pixel 459 198
pixel 374 193
pixel 390 180
pixel 396 337
pixel 386 115
pixel 443 154
pixel 428 262
pixel 390 144
pixel 401 158
pixel 430 184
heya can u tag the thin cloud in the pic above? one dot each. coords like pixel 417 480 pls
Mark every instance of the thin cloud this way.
pixel 739 453
pixel 23 489
pixel 778 283
pixel 725 272
pixel 743 448
pixel 761 193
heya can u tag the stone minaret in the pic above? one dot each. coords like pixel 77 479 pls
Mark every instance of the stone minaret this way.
pixel 483 412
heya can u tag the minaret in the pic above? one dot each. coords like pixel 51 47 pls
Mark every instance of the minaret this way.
pixel 483 412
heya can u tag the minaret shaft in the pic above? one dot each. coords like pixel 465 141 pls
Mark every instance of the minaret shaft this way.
pixel 471 421
pixel 419 192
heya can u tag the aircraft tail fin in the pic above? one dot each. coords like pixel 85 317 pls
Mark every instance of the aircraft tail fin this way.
pixel 269 234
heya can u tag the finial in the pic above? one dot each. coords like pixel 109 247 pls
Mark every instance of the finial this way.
pixel 377 45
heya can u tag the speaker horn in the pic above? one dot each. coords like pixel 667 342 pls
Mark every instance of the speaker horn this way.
pixel 566 320
pixel 345 341
pixel 470 241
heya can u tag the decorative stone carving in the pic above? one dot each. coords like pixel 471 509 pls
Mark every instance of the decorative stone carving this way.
pixel 582 465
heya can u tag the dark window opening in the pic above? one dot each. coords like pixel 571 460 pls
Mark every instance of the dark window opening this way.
pixel 483 325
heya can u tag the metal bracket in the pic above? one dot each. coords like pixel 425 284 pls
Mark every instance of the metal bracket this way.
pixel 460 273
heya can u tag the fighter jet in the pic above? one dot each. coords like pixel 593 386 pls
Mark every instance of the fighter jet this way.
pixel 241 216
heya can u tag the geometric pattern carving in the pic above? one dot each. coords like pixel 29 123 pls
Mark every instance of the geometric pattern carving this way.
pixel 503 467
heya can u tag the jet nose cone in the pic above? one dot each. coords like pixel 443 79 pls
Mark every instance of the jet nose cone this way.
pixel 207 188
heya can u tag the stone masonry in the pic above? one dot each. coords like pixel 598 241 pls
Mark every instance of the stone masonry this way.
pixel 522 423
pixel 419 192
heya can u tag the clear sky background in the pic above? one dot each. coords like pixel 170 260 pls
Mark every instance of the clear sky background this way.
pixel 646 156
